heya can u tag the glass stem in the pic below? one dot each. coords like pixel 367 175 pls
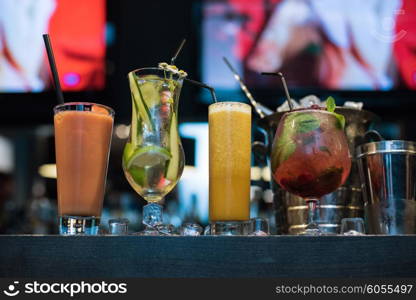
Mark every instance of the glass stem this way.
pixel 311 210
pixel 152 215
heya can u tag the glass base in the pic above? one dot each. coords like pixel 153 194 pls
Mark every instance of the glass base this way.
pixel 152 215
pixel 230 228
pixel 312 230
pixel 159 230
pixel 353 233
pixel 75 225
pixel 148 231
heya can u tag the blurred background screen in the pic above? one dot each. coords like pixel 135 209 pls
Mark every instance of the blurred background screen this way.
pixel 325 44
pixel 77 29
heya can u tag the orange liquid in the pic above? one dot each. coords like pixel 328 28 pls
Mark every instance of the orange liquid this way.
pixel 229 161
pixel 82 143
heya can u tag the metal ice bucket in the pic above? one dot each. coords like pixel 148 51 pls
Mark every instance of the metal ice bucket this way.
pixel 291 210
pixel 387 171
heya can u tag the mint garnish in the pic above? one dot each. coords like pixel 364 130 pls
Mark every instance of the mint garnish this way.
pixel 330 104
pixel 285 148
pixel 330 107
pixel 341 121
pixel 294 124
pixel 305 123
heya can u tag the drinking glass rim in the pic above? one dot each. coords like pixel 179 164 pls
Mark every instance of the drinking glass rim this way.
pixel 156 69
pixel 230 102
pixel 330 115
pixel 111 111
pixel 301 110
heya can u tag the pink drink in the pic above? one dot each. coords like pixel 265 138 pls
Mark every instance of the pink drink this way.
pixel 310 156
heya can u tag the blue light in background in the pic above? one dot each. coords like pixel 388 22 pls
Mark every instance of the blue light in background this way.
pixel 72 79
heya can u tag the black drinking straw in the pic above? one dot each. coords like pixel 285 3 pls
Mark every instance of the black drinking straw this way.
pixel 172 61
pixel 203 85
pixel 54 71
pixel 284 86
pixel 197 83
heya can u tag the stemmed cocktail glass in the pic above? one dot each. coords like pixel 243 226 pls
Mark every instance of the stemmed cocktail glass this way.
pixel 310 156
pixel 153 158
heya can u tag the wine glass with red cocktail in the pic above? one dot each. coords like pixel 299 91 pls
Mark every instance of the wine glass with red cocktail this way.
pixel 310 156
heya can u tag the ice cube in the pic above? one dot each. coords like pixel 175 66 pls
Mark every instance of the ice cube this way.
pixel 356 105
pixel 118 226
pixel 207 230
pixel 190 229
pixel 285 106
pixel 260 227
pixel 166 229
pixel 310 100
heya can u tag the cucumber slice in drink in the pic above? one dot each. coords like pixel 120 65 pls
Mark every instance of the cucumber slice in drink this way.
pixel 172 172
pixel 140 105
pixel 127 153
pixel 133 126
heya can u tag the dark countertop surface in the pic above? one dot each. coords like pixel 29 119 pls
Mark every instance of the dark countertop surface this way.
pixel 52 256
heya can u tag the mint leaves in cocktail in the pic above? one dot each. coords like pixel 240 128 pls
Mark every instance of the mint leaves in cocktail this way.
pixel 305 123
pixel 301 127
pixel 330 106
pixel 295 123
pixel 283 149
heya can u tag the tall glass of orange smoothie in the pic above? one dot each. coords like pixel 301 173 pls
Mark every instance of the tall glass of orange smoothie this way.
pixel 82 142
pixel 229 165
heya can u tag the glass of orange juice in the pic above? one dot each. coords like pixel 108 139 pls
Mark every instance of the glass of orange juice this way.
pixel 229 167
pixel 82 142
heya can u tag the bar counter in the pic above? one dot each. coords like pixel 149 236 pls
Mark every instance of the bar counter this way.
pixel 51 256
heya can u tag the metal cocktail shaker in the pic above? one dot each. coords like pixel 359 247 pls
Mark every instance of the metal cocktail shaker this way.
pixel 387 172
